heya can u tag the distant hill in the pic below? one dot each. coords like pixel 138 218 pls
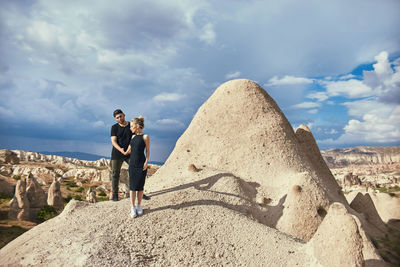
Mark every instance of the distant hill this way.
pixel 342 157
pixel 85 156
pixel 76 155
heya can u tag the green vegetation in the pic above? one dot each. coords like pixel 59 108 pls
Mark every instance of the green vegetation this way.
pixel 80 190
pixel 71 184
pixel 391 191
pixel 99 199
pixel 77 197
pixel 389 248
pixel 102 194
pixel 68 198
pixel 4 199
pixel 47 212
pixel 16 177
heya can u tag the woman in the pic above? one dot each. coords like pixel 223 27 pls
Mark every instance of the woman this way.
pixel 137 164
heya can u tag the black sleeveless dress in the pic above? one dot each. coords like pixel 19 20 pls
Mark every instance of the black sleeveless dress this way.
pixel 136 174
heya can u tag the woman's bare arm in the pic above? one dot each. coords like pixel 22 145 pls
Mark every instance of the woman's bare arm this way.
pixel 146 139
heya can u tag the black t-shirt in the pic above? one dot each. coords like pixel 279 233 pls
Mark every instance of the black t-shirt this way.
pixel 124 136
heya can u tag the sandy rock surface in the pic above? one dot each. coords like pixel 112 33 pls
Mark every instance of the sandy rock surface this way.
pixel 185 231
pixel 388 207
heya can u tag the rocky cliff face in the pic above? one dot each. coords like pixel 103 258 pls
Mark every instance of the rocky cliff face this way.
pixel 365 167
pixel 336 158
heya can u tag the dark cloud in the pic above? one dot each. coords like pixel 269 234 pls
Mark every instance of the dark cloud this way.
pixel 392 96
pixel 65 66
pixel 142 25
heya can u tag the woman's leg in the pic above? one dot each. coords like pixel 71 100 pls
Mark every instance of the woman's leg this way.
pixel 139 197
pixel 133 197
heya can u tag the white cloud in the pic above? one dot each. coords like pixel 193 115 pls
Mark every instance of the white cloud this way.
pixel 232 75
pixel 382 82
pixel 168 97
pixel 288 80
pixel 167 124
pixel 320 96
pixel 384 79
pixel 376 117
pixel 372 128
pixel 372 122
pixel 347 77
pixel 312 111
pixel 307 105
pixel 333 131
pixel 99 124
pixel 351 88
pixel 208 34
pixel 48 34
pixel 359 108
pixel 382 67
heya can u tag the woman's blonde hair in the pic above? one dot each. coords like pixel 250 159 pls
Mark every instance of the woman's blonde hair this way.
pixel 139 121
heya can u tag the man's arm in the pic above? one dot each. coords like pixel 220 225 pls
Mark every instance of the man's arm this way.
pixel 115 144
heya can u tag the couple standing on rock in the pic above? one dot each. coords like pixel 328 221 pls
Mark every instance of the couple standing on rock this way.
pixel 129 143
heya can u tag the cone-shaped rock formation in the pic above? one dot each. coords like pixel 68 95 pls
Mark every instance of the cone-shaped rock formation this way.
pixel 19 205
pixel 54 197
pixel 241 130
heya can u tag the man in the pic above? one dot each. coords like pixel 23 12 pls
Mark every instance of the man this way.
pixel 120 138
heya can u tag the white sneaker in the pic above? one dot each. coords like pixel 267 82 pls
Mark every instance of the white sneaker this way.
pixel 139 210
pixel 133 212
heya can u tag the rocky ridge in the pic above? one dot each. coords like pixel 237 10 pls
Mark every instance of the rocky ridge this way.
pixel 363 155
pixel 365 167
pixel 35 180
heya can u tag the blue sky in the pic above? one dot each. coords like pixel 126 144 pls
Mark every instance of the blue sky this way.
pixel 66 65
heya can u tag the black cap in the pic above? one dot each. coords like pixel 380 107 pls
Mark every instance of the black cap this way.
pixel 117 111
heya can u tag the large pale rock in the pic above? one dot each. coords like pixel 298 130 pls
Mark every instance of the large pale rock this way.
pixel 364 205
pixel 37 171
pixel 388 207
pixel 349 180
pixel 19 205
pixel 310 148
pixel 337 241
pixel 103 176
pixel 89 174
pixel 241 130
pixel 36 196
pixel 7 156
pixel 6 170
pixel 102 162
pixel 54 197
pixel 341 240
pixel 91 196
